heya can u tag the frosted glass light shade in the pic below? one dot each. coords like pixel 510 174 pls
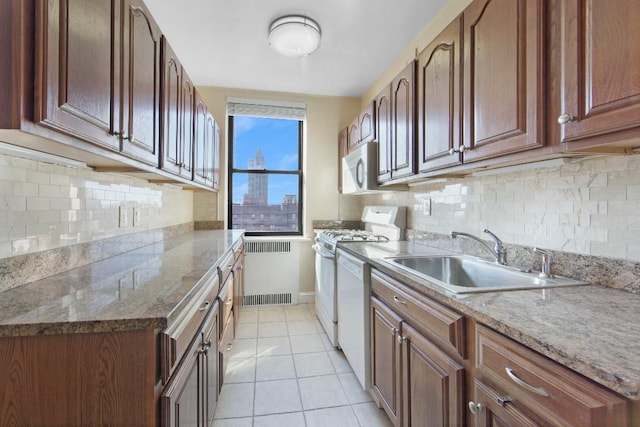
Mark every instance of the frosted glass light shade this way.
pixel 294 35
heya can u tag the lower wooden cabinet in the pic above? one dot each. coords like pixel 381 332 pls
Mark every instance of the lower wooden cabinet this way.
pixel 415 381
pixel 190 398
pixel 385 363
pixel 433 383
pixel 432 366
pixel 490 409
pixel 551 394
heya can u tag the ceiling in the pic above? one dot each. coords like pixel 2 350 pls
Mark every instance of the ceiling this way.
pixel 224 42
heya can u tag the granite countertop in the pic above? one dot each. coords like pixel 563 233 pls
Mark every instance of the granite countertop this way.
pixel 591 329
pixel 145 288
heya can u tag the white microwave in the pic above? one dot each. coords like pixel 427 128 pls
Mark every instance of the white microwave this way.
pixel 359 169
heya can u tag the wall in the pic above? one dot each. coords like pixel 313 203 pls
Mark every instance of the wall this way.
pixel 47 206
pixel 588 207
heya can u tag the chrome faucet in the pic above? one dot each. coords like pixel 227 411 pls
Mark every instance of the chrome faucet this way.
pixel 547 262
pixel 498 251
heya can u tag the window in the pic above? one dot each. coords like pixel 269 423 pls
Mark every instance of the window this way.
pixel 265 164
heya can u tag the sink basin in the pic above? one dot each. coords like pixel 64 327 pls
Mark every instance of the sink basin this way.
pixel 465 274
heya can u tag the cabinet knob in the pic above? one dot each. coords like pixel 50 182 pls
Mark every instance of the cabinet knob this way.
pixel 398 300
pixel 394 331
pixel 401 339
pixel 475 408
pixel 204 306
pixel 463 148
pixel 565 118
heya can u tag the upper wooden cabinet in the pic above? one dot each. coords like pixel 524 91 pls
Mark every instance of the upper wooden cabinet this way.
pixel 403 123
pixel 396 127
pixel 600 88
pixel 75 95
pixel 362 128
pixel 504 77
pixel 140 128
pixel 177 112
pixel 206 156
pixel 439 102
pixel 383 130
pixel 111 100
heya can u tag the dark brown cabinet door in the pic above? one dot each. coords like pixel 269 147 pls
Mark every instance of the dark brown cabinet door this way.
pixel 178 104
pixel 353 138
pixel 383 131
pixel 205 142
pixel 78 92
pixel 503 77
pixel 366 124
pixel 490 413
pixel 187 102
pixel 181 399
pixel 212 125
pixel 141 83
pixel 170 109
pixel 434 384
pixel 439 105
pixel 385 359
pixel 601 58
pixel 403 123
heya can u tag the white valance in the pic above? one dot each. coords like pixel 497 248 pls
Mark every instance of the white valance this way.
pixel 265 108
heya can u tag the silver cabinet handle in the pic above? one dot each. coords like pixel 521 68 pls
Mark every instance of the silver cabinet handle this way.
pixel 401 339
pixel 475 408
pixel 565 118
pixel 398 300
pixel 204 306
pixel 394 331
pixel 536 390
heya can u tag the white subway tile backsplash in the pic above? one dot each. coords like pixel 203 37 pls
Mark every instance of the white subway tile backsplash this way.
pixel 45 206
pixel 589 206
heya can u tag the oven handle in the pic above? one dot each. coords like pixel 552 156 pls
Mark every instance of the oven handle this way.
pixel 323 252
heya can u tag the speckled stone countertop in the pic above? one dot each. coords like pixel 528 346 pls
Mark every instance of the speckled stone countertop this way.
pixel 591 329
pixel 145 288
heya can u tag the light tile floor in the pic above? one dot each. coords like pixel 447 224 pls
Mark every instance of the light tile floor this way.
pixel 282 371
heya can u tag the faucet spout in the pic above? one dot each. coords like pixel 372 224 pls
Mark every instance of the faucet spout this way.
pixel 499 252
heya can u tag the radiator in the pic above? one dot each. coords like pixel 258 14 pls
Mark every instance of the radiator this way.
pixel 272 272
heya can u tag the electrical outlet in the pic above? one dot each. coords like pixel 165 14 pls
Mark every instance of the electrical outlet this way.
pixel 137 216
pixel 124 217
pixel 426 207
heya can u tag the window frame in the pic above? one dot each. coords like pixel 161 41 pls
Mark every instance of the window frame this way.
pixel 297 172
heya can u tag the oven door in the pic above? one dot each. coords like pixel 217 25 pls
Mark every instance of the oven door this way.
pixel 325 295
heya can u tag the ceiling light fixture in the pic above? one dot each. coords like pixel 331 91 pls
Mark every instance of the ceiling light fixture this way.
pixel 294 35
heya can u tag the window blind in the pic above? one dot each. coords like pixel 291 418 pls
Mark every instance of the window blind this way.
pixel 274 110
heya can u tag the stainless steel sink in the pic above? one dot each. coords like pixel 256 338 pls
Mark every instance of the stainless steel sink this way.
pixel 465 274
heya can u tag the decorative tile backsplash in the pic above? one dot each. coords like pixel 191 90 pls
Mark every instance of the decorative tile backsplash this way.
pixel 588 206
pixel 45 206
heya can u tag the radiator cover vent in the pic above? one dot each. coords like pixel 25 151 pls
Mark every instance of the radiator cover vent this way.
pixel 266 299
pixel 267 247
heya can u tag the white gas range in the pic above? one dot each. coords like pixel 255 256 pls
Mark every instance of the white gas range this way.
pixel 381 223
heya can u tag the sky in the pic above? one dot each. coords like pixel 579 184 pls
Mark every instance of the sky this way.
pixel 278 140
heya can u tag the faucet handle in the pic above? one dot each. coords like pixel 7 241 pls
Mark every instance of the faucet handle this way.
pixel 547 262
pixel 493 236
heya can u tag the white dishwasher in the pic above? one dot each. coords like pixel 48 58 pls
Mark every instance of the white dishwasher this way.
pixel 353 295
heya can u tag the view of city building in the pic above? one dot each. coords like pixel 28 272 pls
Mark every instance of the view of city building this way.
pixel 255 213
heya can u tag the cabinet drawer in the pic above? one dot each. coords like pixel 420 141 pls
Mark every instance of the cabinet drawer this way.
pixel 226 302
pixel 176 338
pixel 552 392
pixel 226 265
pixel 438 322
